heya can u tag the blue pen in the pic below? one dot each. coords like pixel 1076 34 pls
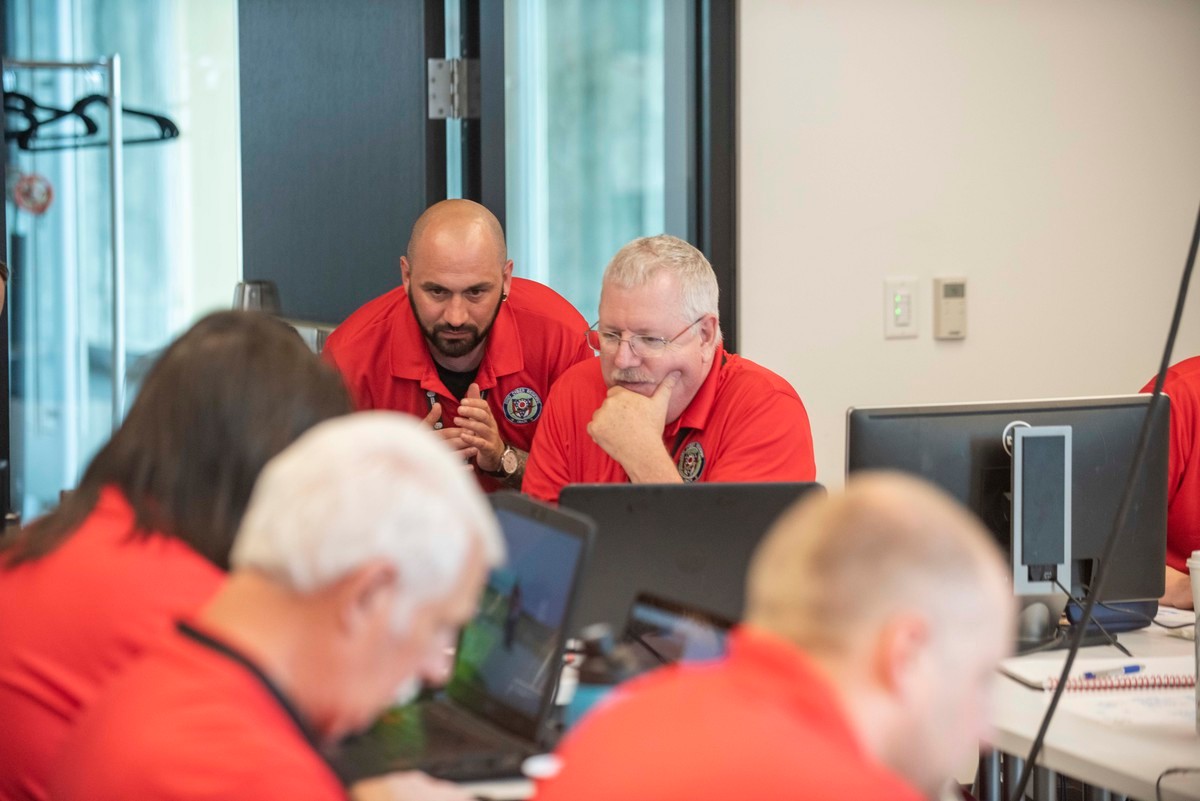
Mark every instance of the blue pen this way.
pixel 1114 672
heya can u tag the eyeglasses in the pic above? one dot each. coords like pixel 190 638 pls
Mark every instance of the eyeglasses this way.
pixel 639 345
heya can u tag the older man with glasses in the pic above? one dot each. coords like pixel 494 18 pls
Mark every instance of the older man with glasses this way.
pixel 665 402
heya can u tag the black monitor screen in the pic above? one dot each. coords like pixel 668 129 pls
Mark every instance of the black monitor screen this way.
pixel 688 542
pixel 1045 491
pixel 959 448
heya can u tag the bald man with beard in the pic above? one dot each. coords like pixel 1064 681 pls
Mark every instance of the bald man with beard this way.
pixel 462 343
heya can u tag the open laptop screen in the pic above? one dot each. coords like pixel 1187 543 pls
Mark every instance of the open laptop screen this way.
pixel 664 631
pixel 510 653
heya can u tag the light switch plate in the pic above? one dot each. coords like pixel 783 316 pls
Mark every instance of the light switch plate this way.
pixel 900 308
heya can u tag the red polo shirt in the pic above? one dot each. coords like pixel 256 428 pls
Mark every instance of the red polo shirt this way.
pixel 763 723
pixel 385 359
pixel 1183 489
pixel 188 723
pixel 745 424
pixel 73 620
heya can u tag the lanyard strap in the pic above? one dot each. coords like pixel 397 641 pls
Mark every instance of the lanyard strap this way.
pixel 431 396
pixel 229 653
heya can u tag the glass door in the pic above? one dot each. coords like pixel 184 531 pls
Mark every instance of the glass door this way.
pixel 597 128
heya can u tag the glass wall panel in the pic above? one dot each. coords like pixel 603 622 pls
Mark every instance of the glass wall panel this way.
pixel 596 102
pixel 179 60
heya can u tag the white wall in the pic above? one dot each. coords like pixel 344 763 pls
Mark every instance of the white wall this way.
pixel 1048 151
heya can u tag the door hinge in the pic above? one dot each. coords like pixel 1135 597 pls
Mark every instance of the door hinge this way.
pixel 453 88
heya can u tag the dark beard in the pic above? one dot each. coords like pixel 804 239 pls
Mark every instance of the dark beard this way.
pixel 453 349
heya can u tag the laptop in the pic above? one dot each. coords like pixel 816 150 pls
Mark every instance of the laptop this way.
pixel 688 542
pixel 661 631
pixel 494 711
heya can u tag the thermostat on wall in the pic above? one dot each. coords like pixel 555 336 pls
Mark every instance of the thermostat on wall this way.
pixel 949 308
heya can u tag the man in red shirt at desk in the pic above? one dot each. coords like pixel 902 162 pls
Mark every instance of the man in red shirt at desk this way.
pixel 665 402
pixel 875 620
pixel 1182 384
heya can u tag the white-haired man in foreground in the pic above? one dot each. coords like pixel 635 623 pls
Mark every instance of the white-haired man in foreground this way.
pixel 875 619
pixel 362 552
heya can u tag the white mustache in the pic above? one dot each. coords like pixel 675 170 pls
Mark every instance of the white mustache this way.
pixel 630 375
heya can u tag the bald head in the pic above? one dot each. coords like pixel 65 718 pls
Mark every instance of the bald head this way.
pixel 456 273
pixel 458 222
pixel 836 566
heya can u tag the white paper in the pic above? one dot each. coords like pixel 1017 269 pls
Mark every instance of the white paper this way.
pixel 1165 712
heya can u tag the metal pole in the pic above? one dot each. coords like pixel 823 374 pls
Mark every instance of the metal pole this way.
pixel 987 780
pixel 1045 784
pixel 116 167
pixel 1011 772
pixel 54 65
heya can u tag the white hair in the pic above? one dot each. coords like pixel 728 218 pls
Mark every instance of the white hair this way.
pixel 641 260
pixel 360 487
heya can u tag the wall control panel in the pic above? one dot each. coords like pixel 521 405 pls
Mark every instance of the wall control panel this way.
pixel 899 308
pixel 949 308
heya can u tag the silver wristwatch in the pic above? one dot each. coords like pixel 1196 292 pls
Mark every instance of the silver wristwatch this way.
pixel 509 462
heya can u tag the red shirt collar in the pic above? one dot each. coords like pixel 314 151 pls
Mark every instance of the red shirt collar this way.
pixel 696 415
pixel 112 501
pixel 412 360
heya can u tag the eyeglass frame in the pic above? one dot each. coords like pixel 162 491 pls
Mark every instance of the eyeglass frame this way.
pixel 660 345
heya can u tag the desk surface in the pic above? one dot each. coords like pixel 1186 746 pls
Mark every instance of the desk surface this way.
pixel 1126 758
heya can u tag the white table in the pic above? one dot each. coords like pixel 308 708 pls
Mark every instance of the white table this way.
pixel 1126 758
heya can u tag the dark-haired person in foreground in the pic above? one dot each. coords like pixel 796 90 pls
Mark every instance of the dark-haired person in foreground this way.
pixel 363 551
pixel 145 538
pixel 875 620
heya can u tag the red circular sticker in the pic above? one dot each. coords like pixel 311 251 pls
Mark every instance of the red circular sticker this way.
pixel 33 193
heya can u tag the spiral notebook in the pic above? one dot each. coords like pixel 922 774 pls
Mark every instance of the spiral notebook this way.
pixel 1156 672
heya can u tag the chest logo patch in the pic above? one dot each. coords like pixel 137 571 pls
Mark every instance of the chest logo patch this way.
pixel 521 406
pixel 691 462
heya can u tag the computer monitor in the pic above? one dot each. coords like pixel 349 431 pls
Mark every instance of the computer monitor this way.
pixel 960 448
pixel 688 542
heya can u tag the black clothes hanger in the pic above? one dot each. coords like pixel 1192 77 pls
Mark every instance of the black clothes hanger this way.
pixel 34 115
pixel 38 134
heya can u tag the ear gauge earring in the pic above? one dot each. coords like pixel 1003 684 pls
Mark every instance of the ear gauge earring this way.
pixel 503 296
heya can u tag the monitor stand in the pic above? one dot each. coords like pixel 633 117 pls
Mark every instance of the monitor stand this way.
pixel 1038 618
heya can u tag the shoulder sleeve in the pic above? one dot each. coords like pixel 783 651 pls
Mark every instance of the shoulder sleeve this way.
pixel 360 394
pixel 1183 399
pixel 563 326
pixel 774 443
pixel 547 471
